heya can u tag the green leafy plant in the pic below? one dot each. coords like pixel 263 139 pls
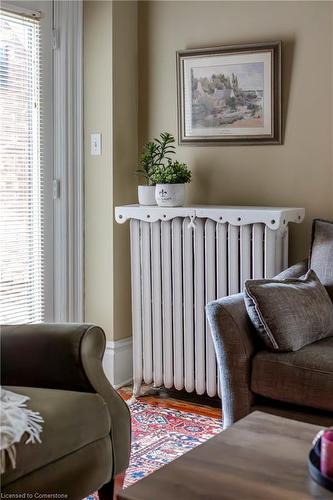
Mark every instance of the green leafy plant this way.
pixel 154 154
pixel 172 173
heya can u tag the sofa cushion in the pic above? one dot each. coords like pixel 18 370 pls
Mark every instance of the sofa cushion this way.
pixel 289 314
pixel 304 377
pixel 321 253
pixel 72 420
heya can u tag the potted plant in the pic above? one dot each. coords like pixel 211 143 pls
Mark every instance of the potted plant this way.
pixel 154 154
pixel 170 183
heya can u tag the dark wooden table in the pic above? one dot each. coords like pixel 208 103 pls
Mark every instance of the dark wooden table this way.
pixel 261 457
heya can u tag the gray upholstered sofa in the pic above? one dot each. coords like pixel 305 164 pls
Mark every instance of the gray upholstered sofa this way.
pixel 86 433
pixel 295 384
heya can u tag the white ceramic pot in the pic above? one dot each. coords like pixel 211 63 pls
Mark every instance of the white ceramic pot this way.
pixel 170 195
pixel 146 195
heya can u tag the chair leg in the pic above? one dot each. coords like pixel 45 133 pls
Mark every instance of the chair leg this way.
pixel 111 490
pixel 107 490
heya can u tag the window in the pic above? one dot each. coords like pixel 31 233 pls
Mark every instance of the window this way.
pixel 41 228
pixel 22 182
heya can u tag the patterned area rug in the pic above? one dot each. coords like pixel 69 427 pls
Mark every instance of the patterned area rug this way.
pixel 159 435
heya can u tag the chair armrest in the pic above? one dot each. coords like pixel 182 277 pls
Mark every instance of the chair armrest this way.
pixel 295 271
pixel 234 341
pixel 68 357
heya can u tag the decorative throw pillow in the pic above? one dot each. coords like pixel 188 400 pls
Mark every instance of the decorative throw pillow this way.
pixel 289 314
pixel 321 253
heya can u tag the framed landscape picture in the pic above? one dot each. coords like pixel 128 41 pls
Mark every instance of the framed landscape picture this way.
pixel 230 95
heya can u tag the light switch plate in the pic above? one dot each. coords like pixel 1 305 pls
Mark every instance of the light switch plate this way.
pixel 96 144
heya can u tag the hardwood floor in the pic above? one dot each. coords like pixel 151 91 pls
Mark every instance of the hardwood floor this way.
pixel 178 400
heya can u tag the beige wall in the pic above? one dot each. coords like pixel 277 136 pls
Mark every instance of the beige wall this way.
pixel 298 173
pixel 98 169
pixel 110 107
pixel 125 137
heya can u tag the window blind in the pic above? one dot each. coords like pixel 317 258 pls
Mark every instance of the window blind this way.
pixel 21 180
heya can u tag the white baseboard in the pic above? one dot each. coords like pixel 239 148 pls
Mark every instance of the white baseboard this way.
pixel 117 362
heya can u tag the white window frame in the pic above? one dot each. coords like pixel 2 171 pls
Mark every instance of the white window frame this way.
pixel 68 161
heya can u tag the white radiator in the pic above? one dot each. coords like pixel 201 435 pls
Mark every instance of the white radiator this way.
pixel 181 259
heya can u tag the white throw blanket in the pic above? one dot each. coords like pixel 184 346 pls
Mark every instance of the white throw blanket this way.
pixel 15 420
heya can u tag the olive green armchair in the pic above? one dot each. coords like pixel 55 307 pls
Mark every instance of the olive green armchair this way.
pixel 86 430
